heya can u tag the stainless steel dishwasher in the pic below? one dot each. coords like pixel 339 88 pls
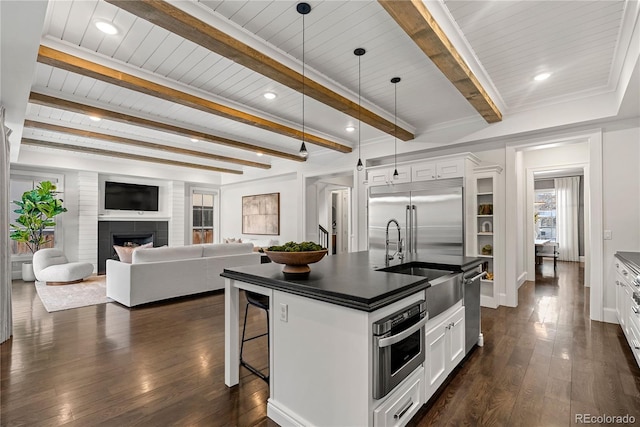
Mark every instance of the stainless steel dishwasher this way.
pixel 473 335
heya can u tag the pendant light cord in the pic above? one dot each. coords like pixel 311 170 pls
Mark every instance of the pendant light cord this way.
pixel 395 82
pixel 359 108
pixel 359 52
pixel 303 130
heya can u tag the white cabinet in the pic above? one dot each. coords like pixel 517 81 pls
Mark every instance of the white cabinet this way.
pixel 402 404
pixel 442 169
pixel 627 308
pixel 385 176
pixel 433 169
pixel 425 171
pixel 444 346
pixel 621 298
pixel 624 295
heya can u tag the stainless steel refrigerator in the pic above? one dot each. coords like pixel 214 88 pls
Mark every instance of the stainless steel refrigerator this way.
pixel 430 214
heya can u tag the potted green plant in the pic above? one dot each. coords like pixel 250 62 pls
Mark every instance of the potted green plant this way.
pixel 36 209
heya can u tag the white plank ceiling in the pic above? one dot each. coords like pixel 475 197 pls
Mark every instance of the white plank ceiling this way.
pixel 577 41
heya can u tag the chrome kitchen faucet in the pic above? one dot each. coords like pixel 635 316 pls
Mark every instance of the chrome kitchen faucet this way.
pixel 398 244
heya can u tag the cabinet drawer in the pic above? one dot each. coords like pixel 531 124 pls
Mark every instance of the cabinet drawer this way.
pixel 634 340
pixel 402 404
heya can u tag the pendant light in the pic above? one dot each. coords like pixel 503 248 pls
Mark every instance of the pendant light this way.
pixel 359 52
pixel 303 9
pixel 395 82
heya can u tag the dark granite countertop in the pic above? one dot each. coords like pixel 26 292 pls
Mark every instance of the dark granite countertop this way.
pixel 351 280
pixel 631 258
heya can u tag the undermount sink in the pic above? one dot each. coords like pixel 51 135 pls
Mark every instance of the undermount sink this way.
pixel 416 270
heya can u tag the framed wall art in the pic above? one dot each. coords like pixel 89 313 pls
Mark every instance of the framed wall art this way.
pixel 261 214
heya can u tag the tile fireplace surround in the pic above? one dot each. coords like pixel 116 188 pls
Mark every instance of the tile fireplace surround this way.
pixel 134 231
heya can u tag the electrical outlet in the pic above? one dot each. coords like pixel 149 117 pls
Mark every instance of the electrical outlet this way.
pixel 284 312
pixel 607 235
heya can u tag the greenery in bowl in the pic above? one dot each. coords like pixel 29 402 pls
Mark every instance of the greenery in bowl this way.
pixel 296 247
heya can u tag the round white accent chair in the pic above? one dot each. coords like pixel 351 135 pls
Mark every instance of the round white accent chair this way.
pixel 51 266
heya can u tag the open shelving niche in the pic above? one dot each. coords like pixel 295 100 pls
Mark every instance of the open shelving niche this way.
pixel 487 228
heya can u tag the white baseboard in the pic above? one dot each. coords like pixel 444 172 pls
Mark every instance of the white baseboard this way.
pixel 487 301
pixel 610 315
pixel 521 279
pixel 281 415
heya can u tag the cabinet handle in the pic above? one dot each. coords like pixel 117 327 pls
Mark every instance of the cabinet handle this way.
pixel 617 265
pixel 617 283
pixel 625 272
pixel 403 410
pixel 635 310
pixel 636 344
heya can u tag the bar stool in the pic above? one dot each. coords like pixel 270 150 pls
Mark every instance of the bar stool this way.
pixel 262 302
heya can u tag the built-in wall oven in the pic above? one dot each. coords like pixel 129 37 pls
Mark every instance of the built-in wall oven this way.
pixel 398 347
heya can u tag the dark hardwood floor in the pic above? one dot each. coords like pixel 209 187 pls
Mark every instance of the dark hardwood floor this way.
pixel 163 364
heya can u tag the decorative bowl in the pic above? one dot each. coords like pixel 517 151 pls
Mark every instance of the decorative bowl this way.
pixel 296 262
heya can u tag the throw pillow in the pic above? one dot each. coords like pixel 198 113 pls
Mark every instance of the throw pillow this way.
pixel 125 252
pixel 233 240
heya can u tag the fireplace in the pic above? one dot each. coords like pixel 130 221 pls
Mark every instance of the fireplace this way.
pixel 128 233
pixel 128 239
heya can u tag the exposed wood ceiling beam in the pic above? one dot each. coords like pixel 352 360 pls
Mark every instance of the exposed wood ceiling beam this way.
pixel 74 64
pixel 414 18
pixel 53 102
pixel 171 18
pixel 109 153
pixel 142 144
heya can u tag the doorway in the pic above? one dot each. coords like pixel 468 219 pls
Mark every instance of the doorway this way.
pixel 559 218
pixel 519 207
pixel 329 211
pixel 340 214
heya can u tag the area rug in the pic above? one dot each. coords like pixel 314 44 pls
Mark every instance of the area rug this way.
pixel 91 291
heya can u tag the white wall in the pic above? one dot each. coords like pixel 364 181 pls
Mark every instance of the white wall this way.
pixel 177 227
pixel 621 204
pixel 88 217
pixel 289 188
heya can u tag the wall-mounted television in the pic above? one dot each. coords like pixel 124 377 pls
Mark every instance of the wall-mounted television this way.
pixel 130 197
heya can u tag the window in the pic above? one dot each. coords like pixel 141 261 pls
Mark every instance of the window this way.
pixel 17 186
pixel 545 214
pixel 202 225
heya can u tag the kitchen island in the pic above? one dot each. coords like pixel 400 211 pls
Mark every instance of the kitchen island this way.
pixel 321 357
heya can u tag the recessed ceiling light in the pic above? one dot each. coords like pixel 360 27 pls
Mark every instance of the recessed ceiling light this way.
pixel 270 95
pixel 95 119
pixel 542 76
pixel 350 128
pixel 259 154
pixel 194 139
pixel 106 27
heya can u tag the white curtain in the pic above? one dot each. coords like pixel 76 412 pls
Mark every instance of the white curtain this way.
pixel 567 204
pixel 6 324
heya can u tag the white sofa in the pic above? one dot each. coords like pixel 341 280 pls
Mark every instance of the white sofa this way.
pixel 160 273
